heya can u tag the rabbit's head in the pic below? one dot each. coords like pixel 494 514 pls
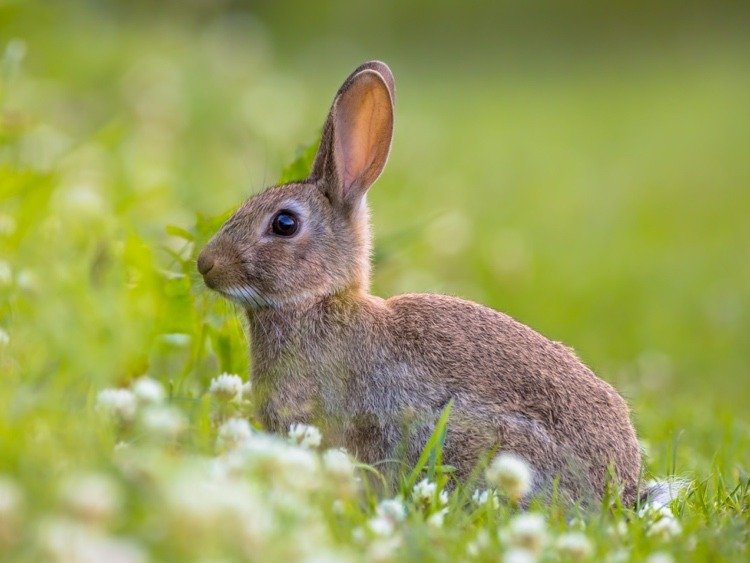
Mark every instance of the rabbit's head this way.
pixel 306 239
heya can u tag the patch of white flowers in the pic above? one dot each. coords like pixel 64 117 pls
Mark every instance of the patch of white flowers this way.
pixel 120 403
pixel 233 433
pixel 305 435
pixel 163 422
pixel 148 391
pixel 511 475
pixel 528 531
pixel 227 387
pixel 574 545
pixel 662 523
pixel 482 497
pixel 424 494
pixel 93 497
pixel 338 464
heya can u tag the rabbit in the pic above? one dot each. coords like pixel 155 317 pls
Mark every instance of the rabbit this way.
pixel 375 374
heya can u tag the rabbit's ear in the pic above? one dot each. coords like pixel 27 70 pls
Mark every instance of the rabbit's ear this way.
pixel 357 135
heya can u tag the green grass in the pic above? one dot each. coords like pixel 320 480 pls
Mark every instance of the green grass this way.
pixel 603 203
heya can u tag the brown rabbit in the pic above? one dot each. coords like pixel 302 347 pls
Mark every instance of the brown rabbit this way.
pixel 376 373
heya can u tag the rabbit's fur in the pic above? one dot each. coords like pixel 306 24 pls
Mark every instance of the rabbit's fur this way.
pixel 376 373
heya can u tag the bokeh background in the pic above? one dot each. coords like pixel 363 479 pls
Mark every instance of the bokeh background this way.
pixel 583 166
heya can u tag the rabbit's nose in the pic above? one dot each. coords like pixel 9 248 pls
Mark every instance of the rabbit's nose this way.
pixel 205 263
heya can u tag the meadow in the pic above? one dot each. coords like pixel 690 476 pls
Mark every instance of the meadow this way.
pixel 601 198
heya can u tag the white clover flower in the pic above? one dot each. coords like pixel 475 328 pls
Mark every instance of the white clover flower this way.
pixel 510 474
pixel 482 497
pixel 247 390
pixel 660 557
pixel 4 337
pixel 7 225
pixel 6 273
pixel 393 509
pixel 381 526
pixel 574 545
pixel 233 433
pixel 437 519
pixel 120 403
pixel 519 555
pixel 91 497
pixel 300 467
pixel 148 391
pixel 305 435
pixel 528 531
pixel 383 549
pixel 423 493
pixel 65 541
pixel 163 422
pixel 618 530
pixel 198 500
pixel 338 463
pixel 665 528
pixel 226 386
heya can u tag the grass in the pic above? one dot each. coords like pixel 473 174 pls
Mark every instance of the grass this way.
pixel 603 203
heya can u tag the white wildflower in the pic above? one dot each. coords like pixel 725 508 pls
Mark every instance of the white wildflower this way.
pixel 660 557
pixel 574 545
pixel 528 531
pixel 120 403
pixel 69 542
pixel 436 519
pixel 148 391
pixel 233 433
pixel 163 422
pixel 305 435
pixel 511 474
pixel 247 390
pixel 338 463
pixel 383 549
pixel 4 337
pixel 392 509
pixel 424 493
pixel 618 530
pixel 519 555
pixel 482 497
pixel 6 273
pixel 226 386
pixel 381 526
pixel 91 497
pixel 7 225
pixel 665 528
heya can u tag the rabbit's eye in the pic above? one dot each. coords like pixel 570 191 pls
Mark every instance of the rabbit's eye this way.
pixel 284 224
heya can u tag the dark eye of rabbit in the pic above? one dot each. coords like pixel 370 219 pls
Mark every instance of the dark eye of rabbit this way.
pixel 284 224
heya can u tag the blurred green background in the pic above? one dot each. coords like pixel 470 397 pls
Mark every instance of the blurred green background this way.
pixel 584 167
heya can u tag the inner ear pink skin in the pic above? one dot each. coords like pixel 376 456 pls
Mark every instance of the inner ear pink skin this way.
pixel 363 126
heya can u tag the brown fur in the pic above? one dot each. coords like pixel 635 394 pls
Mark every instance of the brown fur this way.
pixel 375 374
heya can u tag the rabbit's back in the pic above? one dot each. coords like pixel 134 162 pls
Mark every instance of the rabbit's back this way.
pixel 511 383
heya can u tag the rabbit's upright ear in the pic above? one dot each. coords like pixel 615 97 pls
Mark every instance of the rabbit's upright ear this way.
pixel 357 135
